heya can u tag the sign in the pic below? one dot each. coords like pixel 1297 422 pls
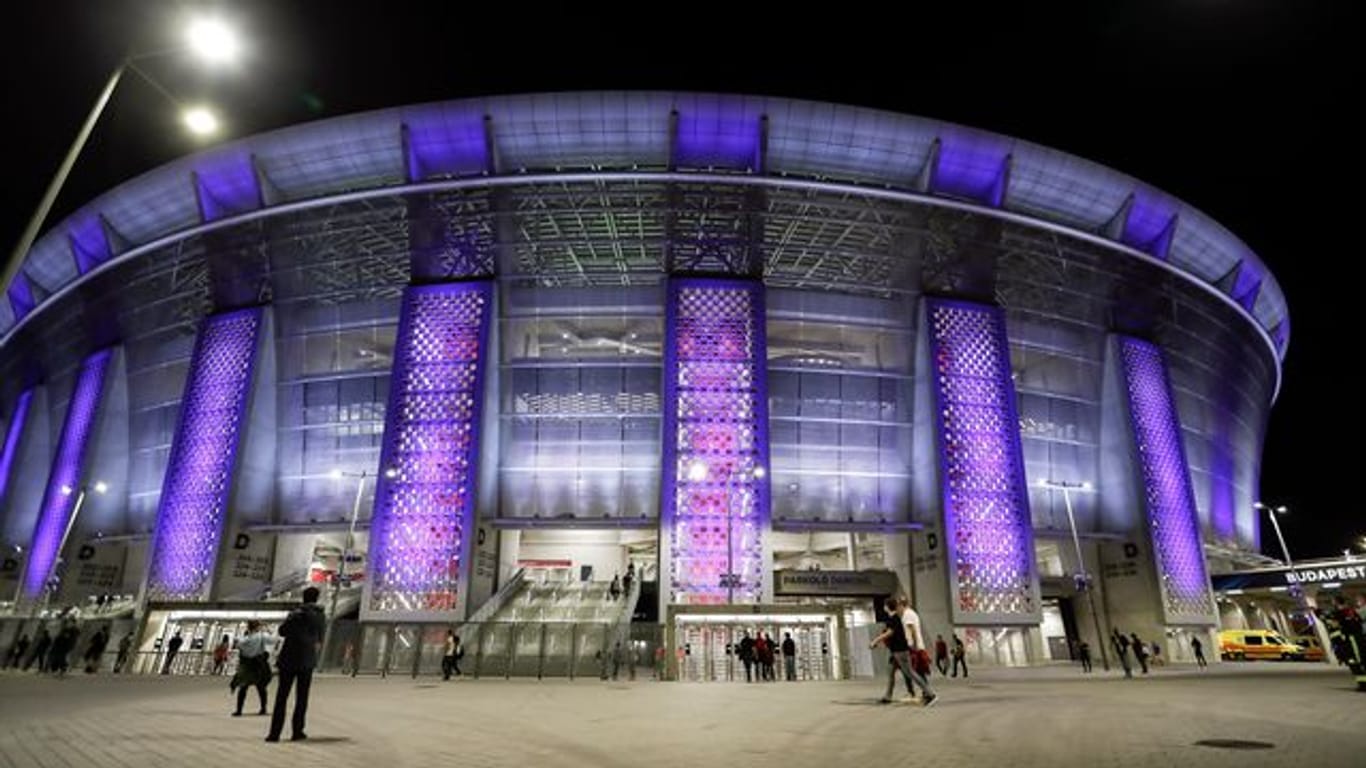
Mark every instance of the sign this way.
pixel 1343 571
pixel 532 563
pixel 326 563
pixel 854 583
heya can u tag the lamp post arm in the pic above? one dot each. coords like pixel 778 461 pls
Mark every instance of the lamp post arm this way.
pixel 54 187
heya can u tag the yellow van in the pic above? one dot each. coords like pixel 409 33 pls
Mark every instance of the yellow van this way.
pixel 1250 644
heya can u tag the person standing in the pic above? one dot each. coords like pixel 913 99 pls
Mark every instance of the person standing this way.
pixel 1084 653
pixel 253 667
pixel 1140 651
pixel 941 654
pixel 959 657
pixel 448 655
pixel 760 652
pixel 303 632
pixel 745 650
pixel 615 588
pixel 1121 644
pixel 789 657
pixel 220 655
pixel 617 658
pixel 899 657
pixel 1199 649
pixel 125 647
pixel 172 648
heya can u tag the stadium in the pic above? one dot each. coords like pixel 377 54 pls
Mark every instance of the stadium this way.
pixel 463 363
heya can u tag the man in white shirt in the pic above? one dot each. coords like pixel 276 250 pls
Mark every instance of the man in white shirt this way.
pixel 911 620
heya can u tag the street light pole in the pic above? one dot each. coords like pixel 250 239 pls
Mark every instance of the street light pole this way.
pixel 35 223
pixel 210 39
pixel 51 580
pixel 1295 587
pixel 1085 578
pixel 350 543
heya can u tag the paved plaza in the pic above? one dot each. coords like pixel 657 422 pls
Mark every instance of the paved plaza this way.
pixel 1035 717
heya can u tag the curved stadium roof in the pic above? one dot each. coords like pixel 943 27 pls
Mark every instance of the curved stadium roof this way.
pixel 382 151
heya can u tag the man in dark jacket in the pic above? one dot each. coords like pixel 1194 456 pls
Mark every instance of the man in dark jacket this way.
pixel 303 634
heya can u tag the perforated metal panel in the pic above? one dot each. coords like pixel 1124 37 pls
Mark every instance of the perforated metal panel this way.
pixel 1167 491
pixel 716 500
pixel 431 438
pixel 199 473
pixel 64 481
pixel 988 531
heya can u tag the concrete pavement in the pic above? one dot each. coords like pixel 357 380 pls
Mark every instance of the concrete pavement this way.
pixel 1036 717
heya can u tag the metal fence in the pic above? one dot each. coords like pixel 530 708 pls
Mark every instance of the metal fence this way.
pixel 489 650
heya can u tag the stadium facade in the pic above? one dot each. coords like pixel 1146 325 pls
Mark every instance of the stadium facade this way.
pixel 727 341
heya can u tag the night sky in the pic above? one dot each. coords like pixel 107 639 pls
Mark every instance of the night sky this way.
pixel 1241 108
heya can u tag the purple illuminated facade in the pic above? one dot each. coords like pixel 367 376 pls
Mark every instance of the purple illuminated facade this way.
pixel 199 474
pixel 724 338
pixel 715 504
pixel 987 526
pixel 13 435
pixel 1167 493
pixel 59 497
pixel 418 534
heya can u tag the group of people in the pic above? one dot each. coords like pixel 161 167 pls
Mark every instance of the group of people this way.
pixel 51 651
pixel 759 655
pixel 620 586
pixel 905 643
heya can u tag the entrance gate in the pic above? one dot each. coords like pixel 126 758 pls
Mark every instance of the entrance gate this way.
pixel 706 646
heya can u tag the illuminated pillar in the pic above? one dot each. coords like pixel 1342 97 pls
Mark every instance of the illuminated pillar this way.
pixel 13 434
pixel 65 478
pixel 987 528
pixel 715 495
pixel 196 491
pixel 420 534
pixel 1167 494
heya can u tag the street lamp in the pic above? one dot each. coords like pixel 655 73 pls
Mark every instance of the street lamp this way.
pixel 361 477
pixel 1296 588
pixel 1083 579
pixel 211 40
pixel 54 578
pixel 1274 513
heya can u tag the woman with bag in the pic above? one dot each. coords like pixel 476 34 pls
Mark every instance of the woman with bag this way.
pixel 253 666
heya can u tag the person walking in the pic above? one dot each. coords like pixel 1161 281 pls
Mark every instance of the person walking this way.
pixel 253 667
pixel 789 657
pixel 95 651
pixel 16 652
pixel 760 651
pixel 1084 654
pixel 617 658
pixel 1199 649
pixel 941 654
pixel 59 658
pixel 1121 644
pixel 303 632
pixel 1140 651
pixel 959 657
pixel 745 650
pixel 448 654
pixel 220 655
pixel 41 644
pixel 125 647
pixel 172 648
pixel 893 636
